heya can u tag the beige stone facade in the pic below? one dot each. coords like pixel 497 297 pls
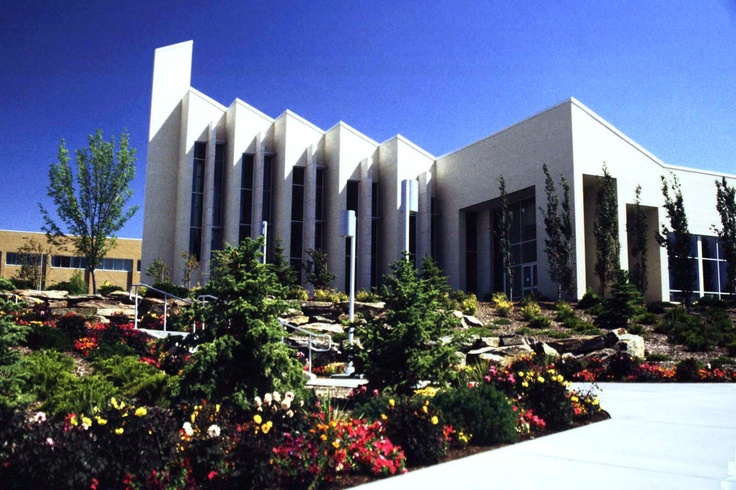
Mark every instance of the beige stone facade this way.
pixel 121 266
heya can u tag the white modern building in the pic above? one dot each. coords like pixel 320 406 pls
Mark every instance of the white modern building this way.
pixel 215 173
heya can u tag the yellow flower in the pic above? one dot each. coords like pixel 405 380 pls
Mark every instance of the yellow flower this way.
pixel 100 420
pixel 540 380
pixel 217 408
pixel 73 420
pixel 574 399
pixel 333 424
pixel 435 420
pixel 424 409
pixel 86 420
pixel 140 412
pixel 257 419
pixel 525 384
pixel 265 428
pixel 323 437
pixel 336 443
pixel 391 402
pixel 383 416
pixel 595 401
pixel 119 430
pixel 521 374
pixel 193 417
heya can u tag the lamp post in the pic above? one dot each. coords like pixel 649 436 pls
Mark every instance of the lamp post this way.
pixel 264 232
pixel 347 229
pixel 410 202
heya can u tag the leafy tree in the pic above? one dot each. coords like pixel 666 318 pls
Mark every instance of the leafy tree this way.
pixel 605 230
pixel 158 271
pixel 239 353
pixel 318 274
pixel 96 210
pixel 638 231
pixel 188 267
pixel 676 238
pixel 282 268
pixel 504 237
pixel 405 346
pixel 726 205
pixel 32 258
pixel 558 226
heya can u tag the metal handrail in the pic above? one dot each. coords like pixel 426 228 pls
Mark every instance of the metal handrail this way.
pixel 166 296
pixel 286 324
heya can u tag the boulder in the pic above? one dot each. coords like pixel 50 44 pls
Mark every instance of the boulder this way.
pixel 458 314
pixel 631 344
pixel 321 319
pixel 297 320
pixel 542 349
pixel 324 328
pixel 508 340
pixel 369 310
pixel 121 297
pixel 503 355
pixel 472 321
pixel 602 354
pixel 579 345
pixel 86 312
pixel 44 295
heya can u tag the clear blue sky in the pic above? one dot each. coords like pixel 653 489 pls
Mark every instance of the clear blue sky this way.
pixel 441 73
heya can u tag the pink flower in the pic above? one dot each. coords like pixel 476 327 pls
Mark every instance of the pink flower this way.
pixel 49 442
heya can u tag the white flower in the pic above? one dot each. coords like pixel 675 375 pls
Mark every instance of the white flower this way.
pixel 188 429
pixel 276 396
pixel 258 401
pixel 267 398
pixel 286 404
pixel 39 417
pixel 289 414
pixel 289 395
pixel 49 442
pixel 213 431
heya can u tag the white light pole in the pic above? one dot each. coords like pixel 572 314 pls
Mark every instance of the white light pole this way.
pixel 410 202
pixel 347 229
pixel 264 232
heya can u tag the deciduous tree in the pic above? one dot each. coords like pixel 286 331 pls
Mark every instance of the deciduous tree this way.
pixel 726 205
pixel 94 210
pixel 638 231
pixel 605 230
pixel 558 226
pixel 676 238
pixel 504 237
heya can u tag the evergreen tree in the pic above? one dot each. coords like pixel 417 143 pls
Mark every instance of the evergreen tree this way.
pixel 95 211
pixel 318 273
pixel 726 205
pixel 605 230
pixel 558 244
pixel 504 237
pixel 676 238
pixel 435 279
pixel 638 231
pixel 404 347
pixel 240 352
pixel 282 268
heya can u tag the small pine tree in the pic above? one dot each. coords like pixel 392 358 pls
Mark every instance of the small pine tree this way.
pixel 638 231
pixel 282 268
pixel 558 244
pixel 404 347
pixel 676 238
pixel 318 273
pixel 605 230
pixel 240 353
pixel 726 206
pixel 435 278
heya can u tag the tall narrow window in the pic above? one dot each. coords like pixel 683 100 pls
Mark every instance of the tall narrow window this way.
pixel 217 200
pixel 375 238
pixel 246 197
pixel 297 219
pixel 195 220
pixel 267 200
pixel 352 192
pixel 471 252
pixel 319 212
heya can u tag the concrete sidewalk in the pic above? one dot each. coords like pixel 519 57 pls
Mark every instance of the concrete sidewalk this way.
pixel 660 436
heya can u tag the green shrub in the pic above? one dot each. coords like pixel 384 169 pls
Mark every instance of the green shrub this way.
pixel 73 325
pixel 44 371
pixel 500 322
pixel 75 285
pixel 481 411
pixel 697 333
pixel 107 350
pixel 108 288
pixel 636 329
pixel 466 302
pixel 621 366
pixel 367 296
pixel 722 362
pixel 625 302
pixel 688 370
pixel 540 322
pixel 331 295
pixel 167 287
pixel 6 284
pixel 589 300
pixel 657 307
pixel 414 424
pixel 79 395
pixel 647 318
pixel 503 305
pixel 45 337
pixel 530 311
pixel 658 358
pixel 135 379
pixel 297 293
pixel 549 401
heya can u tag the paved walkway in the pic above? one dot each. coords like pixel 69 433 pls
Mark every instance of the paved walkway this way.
pixel 660 436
